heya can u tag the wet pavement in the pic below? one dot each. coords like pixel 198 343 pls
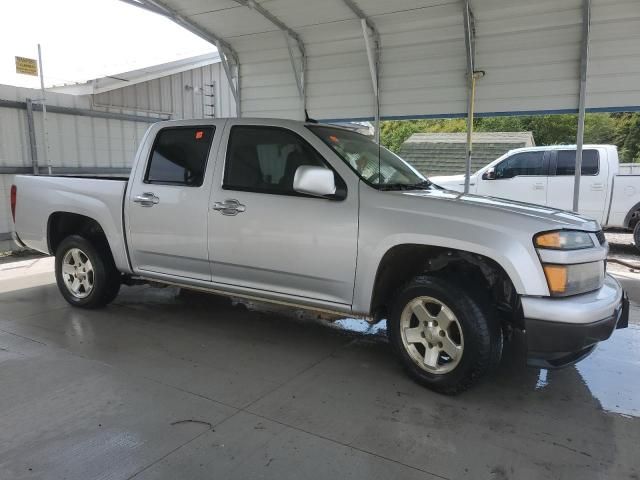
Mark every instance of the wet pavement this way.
pixel 167 385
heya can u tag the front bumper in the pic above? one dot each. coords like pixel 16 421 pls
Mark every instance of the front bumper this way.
pixel 562 331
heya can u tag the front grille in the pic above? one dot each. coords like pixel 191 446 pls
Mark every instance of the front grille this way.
pixel 600 237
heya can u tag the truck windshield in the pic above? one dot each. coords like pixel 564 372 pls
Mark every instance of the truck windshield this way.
pixel 376 165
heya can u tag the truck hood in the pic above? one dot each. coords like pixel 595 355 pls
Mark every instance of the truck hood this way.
pixel 553 217
pixel 453 182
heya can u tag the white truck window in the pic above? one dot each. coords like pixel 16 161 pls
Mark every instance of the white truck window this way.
pixel 566 162
pixel 525 163
pixel 179 156
pixel 265 159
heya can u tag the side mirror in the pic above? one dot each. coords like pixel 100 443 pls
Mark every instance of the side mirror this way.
pixel 316 181
pixel 489 174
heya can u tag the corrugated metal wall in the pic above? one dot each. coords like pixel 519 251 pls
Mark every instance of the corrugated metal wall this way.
pixel 199 93
pixel 73 141
pixel 101 144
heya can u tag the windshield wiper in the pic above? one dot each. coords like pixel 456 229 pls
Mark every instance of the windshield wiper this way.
pixel 404 186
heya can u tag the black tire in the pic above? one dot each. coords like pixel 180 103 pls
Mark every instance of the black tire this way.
pixel 106 278
pixel 636 235
pixel 480 327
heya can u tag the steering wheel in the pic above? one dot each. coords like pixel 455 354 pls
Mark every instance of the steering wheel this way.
pixel 376 178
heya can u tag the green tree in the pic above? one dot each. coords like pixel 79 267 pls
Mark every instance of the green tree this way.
pixel 627 136
pixel 621 129
pixel 599 128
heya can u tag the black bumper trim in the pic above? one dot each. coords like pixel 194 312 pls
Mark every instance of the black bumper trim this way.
pixel 556 344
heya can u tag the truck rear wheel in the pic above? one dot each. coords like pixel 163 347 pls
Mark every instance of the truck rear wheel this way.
pixel 85 273
pixel 636 235
pixel 443 336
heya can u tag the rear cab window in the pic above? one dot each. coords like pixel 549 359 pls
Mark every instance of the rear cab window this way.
pixel 566 162
pixel 179 156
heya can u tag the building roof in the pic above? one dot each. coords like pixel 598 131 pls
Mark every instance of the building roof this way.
pixel 478 137
pixel 125 79
pixel 444 153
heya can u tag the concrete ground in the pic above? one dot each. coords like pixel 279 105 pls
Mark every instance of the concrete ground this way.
pixel 162 385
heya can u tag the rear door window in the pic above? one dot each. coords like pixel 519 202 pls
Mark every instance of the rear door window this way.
pixel 566 162
pixel 179 156
pixel 522 164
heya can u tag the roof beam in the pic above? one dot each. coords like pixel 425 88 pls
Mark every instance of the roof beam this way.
pixel 584 63
pixel 254 5
pixel 298 72
pixel 161 9
pixel 361 15
pixel 373 57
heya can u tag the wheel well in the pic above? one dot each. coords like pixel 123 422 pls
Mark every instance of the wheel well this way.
pixel 63 224
pixel 480 275
pixel 632 217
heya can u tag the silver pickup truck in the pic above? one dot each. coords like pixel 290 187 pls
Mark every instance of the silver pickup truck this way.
pixel 321 217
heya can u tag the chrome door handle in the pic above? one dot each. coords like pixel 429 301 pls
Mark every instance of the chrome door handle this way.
pixel 147 199
pixel 597 187
pixel 229 207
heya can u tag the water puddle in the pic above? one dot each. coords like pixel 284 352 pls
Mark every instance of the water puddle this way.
pixel 612 372
pixel 358 325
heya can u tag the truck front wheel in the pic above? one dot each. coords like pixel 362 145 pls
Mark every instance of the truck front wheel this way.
pixel 443 336
pixel 85 273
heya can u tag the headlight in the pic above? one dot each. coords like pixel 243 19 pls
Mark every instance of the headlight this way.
pixel 563 240
pixel 564 280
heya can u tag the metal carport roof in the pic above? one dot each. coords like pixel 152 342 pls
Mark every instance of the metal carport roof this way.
pixel 367 59
pixel 530 51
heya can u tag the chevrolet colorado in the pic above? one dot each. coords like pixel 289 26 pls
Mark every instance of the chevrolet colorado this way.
pixel 321 217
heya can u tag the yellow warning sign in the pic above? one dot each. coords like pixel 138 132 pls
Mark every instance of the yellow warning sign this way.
pixel 26 66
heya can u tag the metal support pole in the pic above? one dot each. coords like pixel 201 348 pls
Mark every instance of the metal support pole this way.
pixel 584 62
pixel 33 149
pixel 299 75
pixel 225 49
pixel 227 70
pixel 373 58
pixel 45 134
pixel 469 40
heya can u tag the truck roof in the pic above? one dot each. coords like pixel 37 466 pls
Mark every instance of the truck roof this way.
pixel 561 147
pixel 258 120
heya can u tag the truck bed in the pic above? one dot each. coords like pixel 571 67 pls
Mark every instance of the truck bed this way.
pixel 92 177
pixel 96 197
pixel 625 169
pixel 624 197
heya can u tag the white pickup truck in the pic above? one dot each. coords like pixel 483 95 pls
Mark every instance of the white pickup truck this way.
pixel 545 176
pixel 320 217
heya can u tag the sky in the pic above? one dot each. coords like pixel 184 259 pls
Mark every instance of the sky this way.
pixel 86 39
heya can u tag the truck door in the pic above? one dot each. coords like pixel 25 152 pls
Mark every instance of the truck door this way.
pixel 168 202
pixel 521 176
pixel 594 181
pixel 264 235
